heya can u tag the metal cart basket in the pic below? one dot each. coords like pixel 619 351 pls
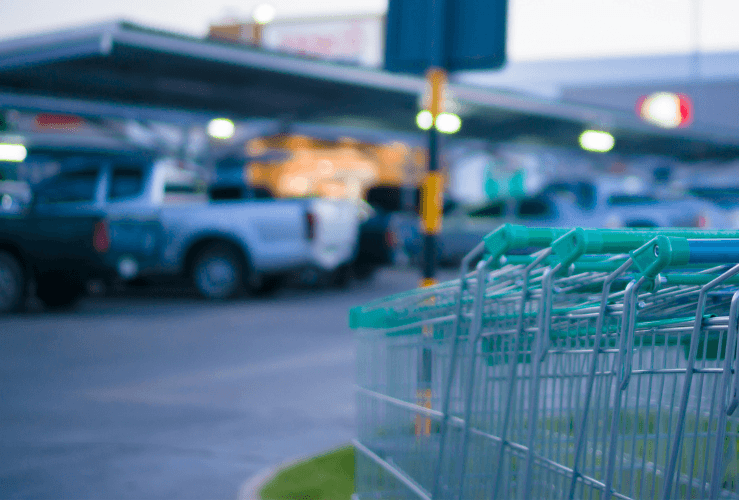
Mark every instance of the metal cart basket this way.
pixel 568 364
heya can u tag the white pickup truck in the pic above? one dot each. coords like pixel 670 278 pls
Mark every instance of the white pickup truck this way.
pixel 166 225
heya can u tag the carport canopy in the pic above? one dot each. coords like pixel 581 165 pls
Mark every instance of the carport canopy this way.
pixel 124 70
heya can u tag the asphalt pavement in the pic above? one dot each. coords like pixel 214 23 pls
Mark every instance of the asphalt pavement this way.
pixel 154 393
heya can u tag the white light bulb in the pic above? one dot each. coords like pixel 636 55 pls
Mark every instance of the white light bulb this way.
pixel 424 120
pixel 13 152
pixel 596 141
pixel 221 128
pixel 263 13
pixel 448 123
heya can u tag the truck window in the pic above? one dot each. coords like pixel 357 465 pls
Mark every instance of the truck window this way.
pixel 534 207
pixel 69 187
pixel 622 200
pixel 126 183
pixel 496 209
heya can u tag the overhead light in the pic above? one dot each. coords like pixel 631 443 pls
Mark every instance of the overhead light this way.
pixel 12 152
pixel 221 128
pixel 597 141
pixel 448 123
pixel 665 109
pixel 263 13
pixel 424 120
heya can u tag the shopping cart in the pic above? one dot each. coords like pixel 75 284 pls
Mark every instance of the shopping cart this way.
pixel 556 374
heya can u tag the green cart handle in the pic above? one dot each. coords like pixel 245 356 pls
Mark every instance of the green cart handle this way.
pixel 570 247
pixel 598 241
pixel 511 237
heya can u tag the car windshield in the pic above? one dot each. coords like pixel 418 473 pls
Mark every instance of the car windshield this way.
pixel 582 193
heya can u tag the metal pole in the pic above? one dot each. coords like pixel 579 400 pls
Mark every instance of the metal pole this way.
pixel 429 237
pixel 433 185
pixel 431 196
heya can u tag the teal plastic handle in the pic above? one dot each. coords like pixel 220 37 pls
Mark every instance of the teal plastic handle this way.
pixel 578 242
pixel 597 241
pixel 681 232
pixel 510 237
pixel 661 252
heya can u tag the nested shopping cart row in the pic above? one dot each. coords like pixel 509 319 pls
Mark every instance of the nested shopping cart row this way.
pixel 567 364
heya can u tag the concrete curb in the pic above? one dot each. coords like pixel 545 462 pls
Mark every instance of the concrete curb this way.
pixel 250 489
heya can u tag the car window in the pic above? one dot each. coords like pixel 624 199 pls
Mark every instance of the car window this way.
pixel 496 209
pixel 620 200
pixel 177 188
pixel 582 193
pixel 534 207
pixel 69 187
pixel 262 193
pixel 126 182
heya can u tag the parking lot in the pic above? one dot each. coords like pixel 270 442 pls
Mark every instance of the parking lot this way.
pixel 155 393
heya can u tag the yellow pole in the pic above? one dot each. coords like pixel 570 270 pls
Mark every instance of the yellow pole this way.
pixel 432 198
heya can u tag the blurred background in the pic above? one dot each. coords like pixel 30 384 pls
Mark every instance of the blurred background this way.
pixel 192 195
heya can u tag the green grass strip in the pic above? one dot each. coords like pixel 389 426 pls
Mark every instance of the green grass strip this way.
pixel 325 477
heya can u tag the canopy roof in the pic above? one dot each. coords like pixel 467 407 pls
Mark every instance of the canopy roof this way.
pixel 121 69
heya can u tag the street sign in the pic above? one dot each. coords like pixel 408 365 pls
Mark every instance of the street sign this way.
pixel 452 34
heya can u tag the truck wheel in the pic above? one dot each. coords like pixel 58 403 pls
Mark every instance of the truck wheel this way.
pixel 59 292
pixel 217 272
pixel 269 285
pixel 342 276
pixel 12 284
pixel 364 272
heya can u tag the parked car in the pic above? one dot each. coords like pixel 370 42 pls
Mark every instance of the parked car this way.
pixel 381 237
pixel 464 227
pixel 726 197
pixel 165 225
pixel 606 203
pixel 377 244
pixel 564 204
pixel 57 254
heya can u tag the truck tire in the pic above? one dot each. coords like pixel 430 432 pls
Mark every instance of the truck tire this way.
pixel 342 276
pixel 269 285
pixel 59 291
pixel 364 272
pixel 12 284
pixel 217 272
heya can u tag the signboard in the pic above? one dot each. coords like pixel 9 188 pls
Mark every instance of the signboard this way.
pixel 355 40
pixel 452 34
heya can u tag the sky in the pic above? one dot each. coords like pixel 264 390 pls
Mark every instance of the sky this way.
pixel 537 29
